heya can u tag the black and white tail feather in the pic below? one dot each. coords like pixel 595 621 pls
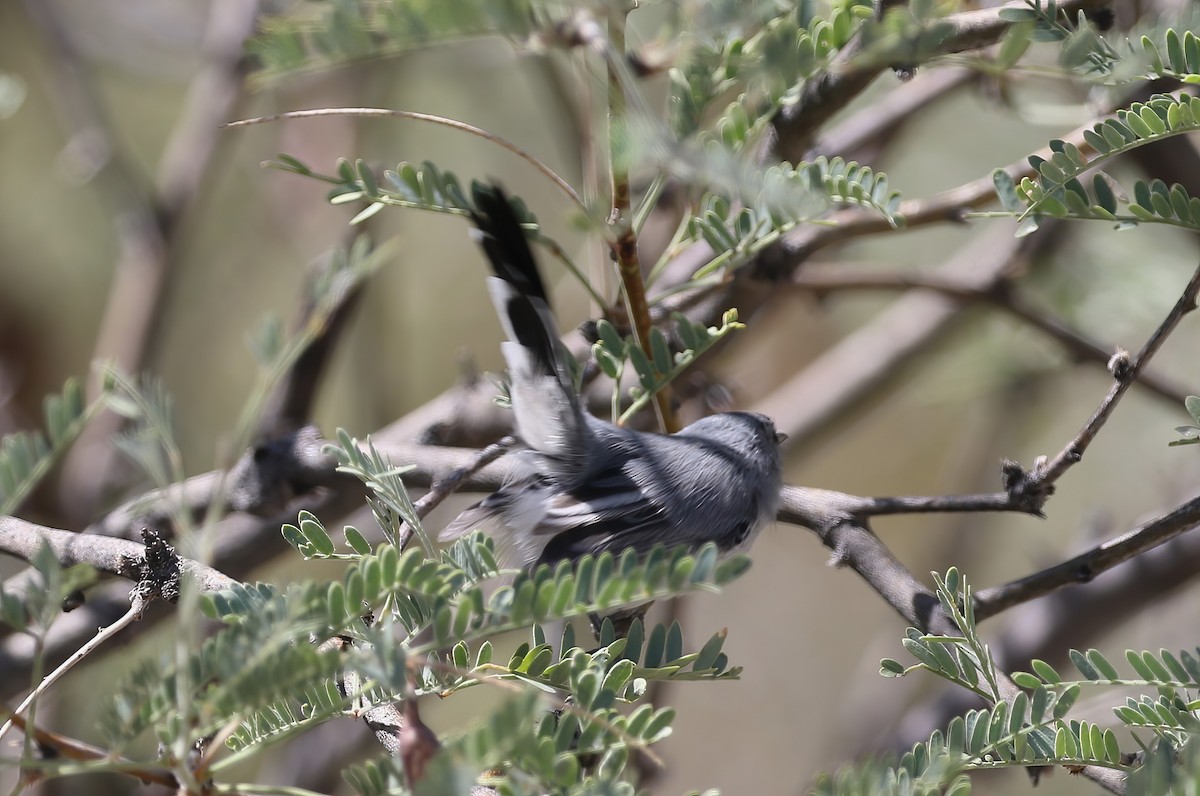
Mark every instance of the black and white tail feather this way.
pixel 591 486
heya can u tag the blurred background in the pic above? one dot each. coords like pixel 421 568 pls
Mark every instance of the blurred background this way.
pixel 133 228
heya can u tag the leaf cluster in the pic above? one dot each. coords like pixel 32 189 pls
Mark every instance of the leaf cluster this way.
pixel 411 624
pixel 782 198
pixel 765 69
pixel 1057 189
pixel 26 456
pixel 1083 47
pixel 612 351
pixel 1033 727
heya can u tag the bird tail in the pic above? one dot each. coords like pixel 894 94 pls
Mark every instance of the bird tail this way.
pixel 547 412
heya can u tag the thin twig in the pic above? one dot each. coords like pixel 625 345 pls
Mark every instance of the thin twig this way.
pixel 939 504
pixel 629 265
pixel 448 485
pixel 504 143
pixel 1125 372
pixel 136 609
pixel 73 749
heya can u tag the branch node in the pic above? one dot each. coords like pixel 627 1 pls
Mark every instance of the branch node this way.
pixel 1085 573
pixel 1027 489
pixel 158 573
pixel 840 554
pixel 1120 365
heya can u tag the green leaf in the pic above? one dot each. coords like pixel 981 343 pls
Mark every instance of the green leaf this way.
pixel 1084 665
pixel 1045 671
pixel 1015 42
pixel 1065 701
pixel 1026 680
pixel 660 350
pixel 1019 15
pixel 1101 665
pixel 1192 404
pixel 366 213
pixel 357 542
pixel 710 651
pixel 1006 190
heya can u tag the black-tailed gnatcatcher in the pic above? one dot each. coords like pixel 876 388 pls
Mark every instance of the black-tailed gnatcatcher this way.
pixel 587 485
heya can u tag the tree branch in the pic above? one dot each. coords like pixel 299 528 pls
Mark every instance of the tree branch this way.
pixel 805 405
pixel 106 554
pixel 146 220
pixel 1086 566
pixel 825 94
pixel 1033 488
pixel 823 280
pixel 1125 372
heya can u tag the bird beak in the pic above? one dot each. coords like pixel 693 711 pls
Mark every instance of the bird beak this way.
pixel 780 438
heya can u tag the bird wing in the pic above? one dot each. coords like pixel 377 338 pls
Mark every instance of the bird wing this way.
pixel 547 412
pixel 608 512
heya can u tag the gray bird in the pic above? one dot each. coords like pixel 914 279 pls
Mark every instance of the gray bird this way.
pixel 586 485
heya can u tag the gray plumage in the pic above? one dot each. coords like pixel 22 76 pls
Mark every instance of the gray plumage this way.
pixel 587 485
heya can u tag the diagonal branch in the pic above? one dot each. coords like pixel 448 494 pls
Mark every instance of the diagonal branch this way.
pixel 1125 372
pixel 147 220
pixel 1087 565
pixel 824 94
pixel 804 405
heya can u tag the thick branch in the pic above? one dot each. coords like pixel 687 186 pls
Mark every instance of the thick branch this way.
pixel 114 556
pixel 825 94
pixel 835 519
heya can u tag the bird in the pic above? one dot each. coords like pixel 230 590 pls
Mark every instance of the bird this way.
pixel 587 486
